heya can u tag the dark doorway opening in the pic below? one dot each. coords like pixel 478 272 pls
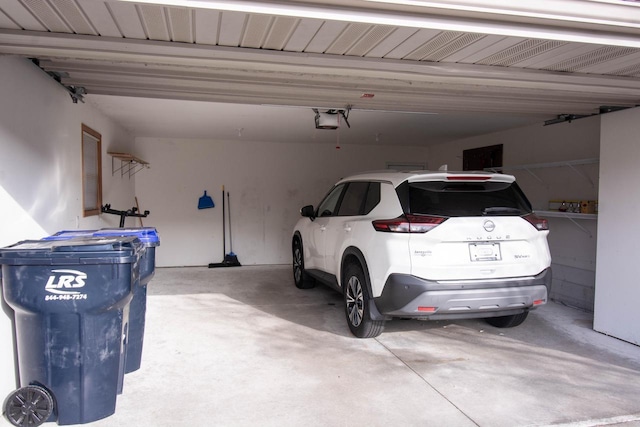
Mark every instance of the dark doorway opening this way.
pixel 477 159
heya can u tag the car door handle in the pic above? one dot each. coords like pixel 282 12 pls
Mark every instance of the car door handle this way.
pixel 347 228
pixel 323 227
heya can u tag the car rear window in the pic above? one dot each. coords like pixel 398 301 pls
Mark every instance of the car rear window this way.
pixel 453 199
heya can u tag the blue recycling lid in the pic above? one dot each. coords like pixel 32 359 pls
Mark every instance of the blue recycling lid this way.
pixel 69 234
pixel 147 235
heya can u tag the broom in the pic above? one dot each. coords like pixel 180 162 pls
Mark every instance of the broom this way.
pixel 230 259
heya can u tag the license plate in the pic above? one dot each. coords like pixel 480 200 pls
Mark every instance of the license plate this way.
pixel 485 251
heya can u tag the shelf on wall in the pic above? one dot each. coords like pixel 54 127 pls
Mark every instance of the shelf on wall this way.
pixel 129 164
pixel 575 215
pixel 569 163
pixel 546 165
pixel 571 216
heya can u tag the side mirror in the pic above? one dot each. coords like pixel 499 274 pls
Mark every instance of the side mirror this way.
pixel 308 211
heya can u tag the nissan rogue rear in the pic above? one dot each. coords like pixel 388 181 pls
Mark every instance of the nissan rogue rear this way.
pixel 427 245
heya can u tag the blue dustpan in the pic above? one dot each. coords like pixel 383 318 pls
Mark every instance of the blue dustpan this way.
pixel 205 202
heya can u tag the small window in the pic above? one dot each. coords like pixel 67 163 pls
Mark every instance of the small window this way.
pixel 354 198
pixel 328 205
pixel 91 171
pixel 373 197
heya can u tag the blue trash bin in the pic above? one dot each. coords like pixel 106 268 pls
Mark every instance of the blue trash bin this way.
pixel 71 303
pixel 75 234
pixel 149 239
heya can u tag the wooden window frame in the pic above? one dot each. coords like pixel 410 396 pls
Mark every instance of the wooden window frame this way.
pixel 92 157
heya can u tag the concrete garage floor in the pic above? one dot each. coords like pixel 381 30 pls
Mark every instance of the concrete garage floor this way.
pixel 243 347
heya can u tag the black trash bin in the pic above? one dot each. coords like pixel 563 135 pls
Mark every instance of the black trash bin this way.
pixel 83 234
pixel 149 239
pixel 71 302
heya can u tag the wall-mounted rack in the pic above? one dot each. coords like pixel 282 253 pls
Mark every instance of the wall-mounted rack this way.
pixel 129 164
pixel 571 216
pixel 569 163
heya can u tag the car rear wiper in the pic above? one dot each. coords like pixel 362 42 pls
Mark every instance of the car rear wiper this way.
pixel 501 210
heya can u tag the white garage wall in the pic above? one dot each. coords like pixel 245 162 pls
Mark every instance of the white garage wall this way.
pixel 617 290
pixel 573 250
pixel 40 166
pixel 268 184
pixel 40 169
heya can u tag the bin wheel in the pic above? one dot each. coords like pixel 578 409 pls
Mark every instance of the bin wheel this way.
pixel 28 406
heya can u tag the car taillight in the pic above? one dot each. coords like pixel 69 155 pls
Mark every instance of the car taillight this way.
pixel 408 224
pixel 540 224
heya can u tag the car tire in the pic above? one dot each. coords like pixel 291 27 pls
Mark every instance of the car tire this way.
pixel 300 276
pixel 357 304
pixel 507 321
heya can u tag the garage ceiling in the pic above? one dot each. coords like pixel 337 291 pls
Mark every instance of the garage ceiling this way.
pixel 197 68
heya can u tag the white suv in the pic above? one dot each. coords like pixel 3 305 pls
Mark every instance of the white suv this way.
pixel 429 245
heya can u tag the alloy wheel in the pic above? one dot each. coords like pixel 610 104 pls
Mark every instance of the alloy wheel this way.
pixel 297 264
pixel 355 301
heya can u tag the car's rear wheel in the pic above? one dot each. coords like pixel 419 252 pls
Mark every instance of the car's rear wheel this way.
pixel 357 304
pixel 507 321
pixel 300 276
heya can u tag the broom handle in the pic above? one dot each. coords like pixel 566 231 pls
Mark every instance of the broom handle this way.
pixel 138 206
pixel 224 233
pixel 230 237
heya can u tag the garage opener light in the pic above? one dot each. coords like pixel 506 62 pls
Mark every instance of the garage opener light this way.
pixel 330 119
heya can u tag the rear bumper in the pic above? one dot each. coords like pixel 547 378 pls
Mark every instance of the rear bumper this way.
pixel 410 296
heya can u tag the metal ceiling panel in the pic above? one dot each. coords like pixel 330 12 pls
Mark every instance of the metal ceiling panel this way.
pixel 386 45
pixel 538 49
pixel 73 16
pixel 325 36
pixel 180 24
pixel 370 40
pixel 452 47
pixel 303 34
pixel 554 56
pixel 281 31
pixel 127 19
pixel 21 16
pixel 434 45
pixel 232 25
pixel 412 43
pixel 46 14
pixel 207 23
pixel 478 44
pixel 630 71
pixel 496 45
pixel 6 22
pixel 327 53
pixel 256 32
pixel 520 52
pixel 592 58
pixel 154 22
pixel 348 38
pixel 99 15
pixel 613 66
